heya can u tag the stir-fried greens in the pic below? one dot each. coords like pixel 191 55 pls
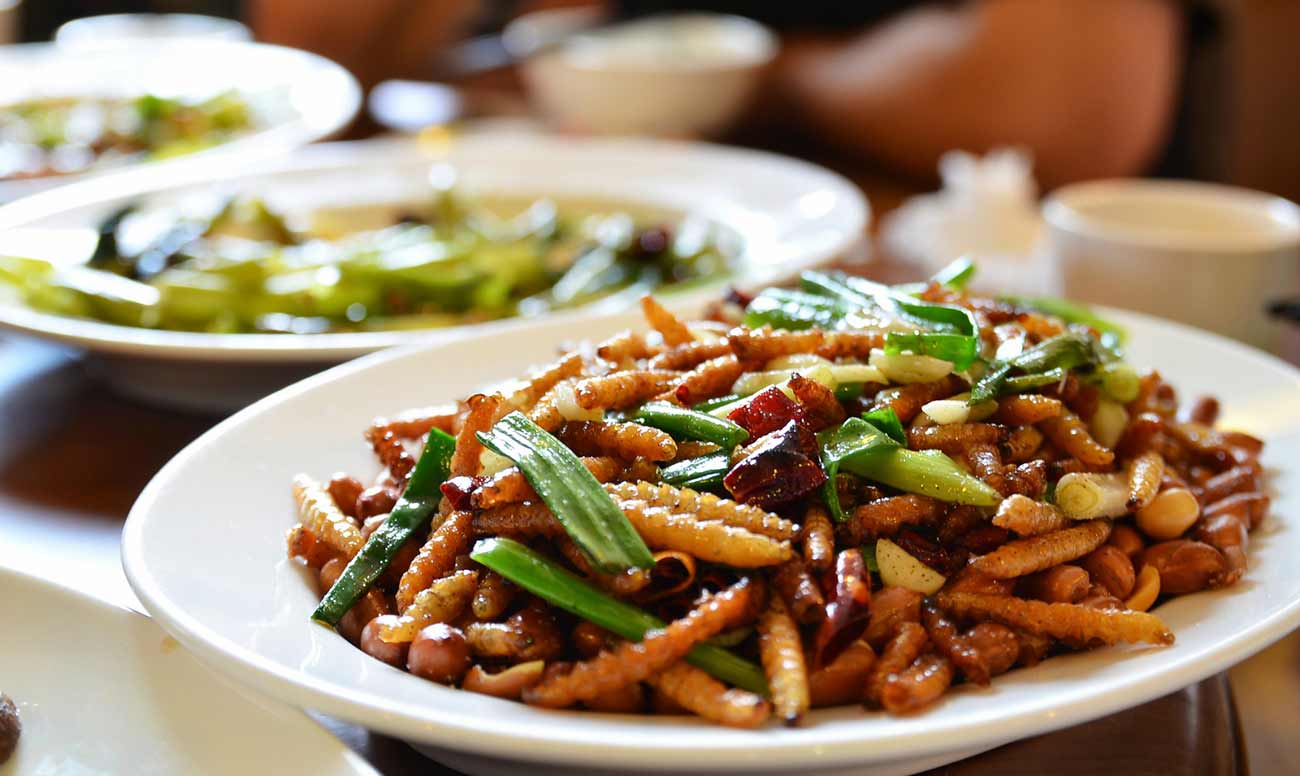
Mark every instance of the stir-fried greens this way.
pixel 63 135
pixel 247 268
pixel 844 494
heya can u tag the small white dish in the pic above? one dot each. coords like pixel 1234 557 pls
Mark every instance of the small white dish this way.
pixel 301 96
pixel 789 215
pixel 114 28
pixel 1208 255
pixel 247 612
pixel 677 75
pixel 102 690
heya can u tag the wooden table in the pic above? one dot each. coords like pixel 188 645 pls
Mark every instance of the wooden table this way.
pixel 73 457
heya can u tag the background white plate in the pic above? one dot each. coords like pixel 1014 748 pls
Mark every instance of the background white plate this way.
pixel 788 214
pixel 306 97
pixel 246 609
pixel 102 690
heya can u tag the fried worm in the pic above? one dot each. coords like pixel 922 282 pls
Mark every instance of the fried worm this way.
pixel 709 380
pixel 323 519
pixel 781 650
pixel 709 541
pixel 484 411
pixel 627 441
pixel 705 506
pixel 437 557
pixel 442 601
pixel 622 389
pixel 1070 434
pixel 1062 621
pixel 510 486
pixel 1036 553
pixel 1022 515
pixel 903 648
pixel 696 691
pixel 1144 475
pixel 818 538
pixel 634 662
pixel 668 325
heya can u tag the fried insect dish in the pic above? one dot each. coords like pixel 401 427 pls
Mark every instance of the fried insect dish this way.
pixel 853 494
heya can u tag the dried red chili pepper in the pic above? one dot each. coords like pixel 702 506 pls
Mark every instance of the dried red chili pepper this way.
pixel 767 411
pixel 848 611
pixel 782 467
pixel 458 491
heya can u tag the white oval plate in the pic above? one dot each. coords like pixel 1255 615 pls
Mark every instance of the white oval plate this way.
pixel 103 690
pixel 306 97
pixel 246 610
pixel 789 215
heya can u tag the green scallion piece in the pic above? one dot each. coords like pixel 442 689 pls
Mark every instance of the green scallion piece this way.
pixel 688 424
pixel 783 308
pixel 1112 334
pixel 860 448
pixel 1120 381
pixel 1070 350
pixel 587 513
pixel 423 492
pixel 885 419
pixel 702 473
pixel 960 349
pixel 849 391
pixel 712 404
pixel 560 587
pixel 955 275
pixel 1023 383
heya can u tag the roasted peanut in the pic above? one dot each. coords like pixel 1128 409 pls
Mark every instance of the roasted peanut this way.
pixel 329 573
pixel 1127 539
pixel 1228 534
pixel 1109 567
pixel 345 490
pixel 439 653
pixel 1145 591
pixel 1185 566
pixel 393 654
pixel 1169 514
pixel 375 500
pixel 509 683
pixel 1061 584
pixel 1251 506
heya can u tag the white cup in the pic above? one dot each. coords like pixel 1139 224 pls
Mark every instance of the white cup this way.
pixel 9 21
pixel 1205 254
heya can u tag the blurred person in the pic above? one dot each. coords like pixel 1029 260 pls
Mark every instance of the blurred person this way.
pixel 375 39
pixel 1090 86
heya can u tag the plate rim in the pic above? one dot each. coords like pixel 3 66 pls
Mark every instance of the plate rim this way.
pixel 130 618
pixel 300 131
pixel 161 345
pixel 247 666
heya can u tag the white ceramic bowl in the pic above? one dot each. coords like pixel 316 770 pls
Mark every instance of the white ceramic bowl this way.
pixel 245 608
pixel 1205 254
pixel 301 96
pixel 114 28
pixel 102 690
pixel 686 75
pixel 789 215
